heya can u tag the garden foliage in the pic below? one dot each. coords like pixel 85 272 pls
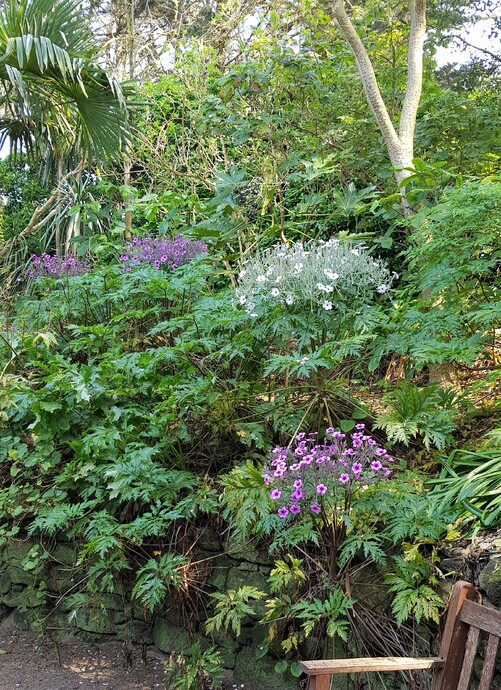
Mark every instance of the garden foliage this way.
pixel 241 338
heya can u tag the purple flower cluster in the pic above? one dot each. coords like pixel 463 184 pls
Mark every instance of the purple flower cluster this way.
pixel 160 252
pixel 313 476
pixel 45 265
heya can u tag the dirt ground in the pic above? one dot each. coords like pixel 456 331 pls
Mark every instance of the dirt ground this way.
pixel 30 663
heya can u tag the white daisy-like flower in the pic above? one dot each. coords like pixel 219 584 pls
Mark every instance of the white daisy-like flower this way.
pixel 320 286
pixel 381 288
pixel 269 271
pixel 278 279
pixel 327 305
pixel 261 279
pixel 355 251
pixel 289 300
pixel 298 267
pixel 242 299
pixel 242 273
pixel 275 292
pixel 328 288
pixel 331 275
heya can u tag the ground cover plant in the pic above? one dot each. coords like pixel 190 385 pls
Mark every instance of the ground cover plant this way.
pixel 245 319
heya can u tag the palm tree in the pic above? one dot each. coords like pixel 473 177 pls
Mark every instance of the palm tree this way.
pixel 54 95
pixel 56 101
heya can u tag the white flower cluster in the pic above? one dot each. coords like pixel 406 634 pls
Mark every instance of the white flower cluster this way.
pixel 321 275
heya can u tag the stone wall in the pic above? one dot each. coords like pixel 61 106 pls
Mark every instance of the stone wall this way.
pixel 37 583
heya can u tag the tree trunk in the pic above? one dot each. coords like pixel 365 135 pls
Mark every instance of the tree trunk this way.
pixel 58 226
pixel 130 19
pixel 400 146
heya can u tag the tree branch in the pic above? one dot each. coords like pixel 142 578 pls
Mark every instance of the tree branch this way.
pixel 494 56
pixel 417 9
pixel 33 225
pixel 369 81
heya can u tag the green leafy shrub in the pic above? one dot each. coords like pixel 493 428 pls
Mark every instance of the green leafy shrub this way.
pixel 418 412
pixel 194 670
pixel 448 309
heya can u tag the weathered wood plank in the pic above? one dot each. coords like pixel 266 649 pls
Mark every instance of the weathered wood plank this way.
pixel 319 683
pixel 481 617
pixel 454 637
pixel 489 663
pixel 469 658
pixel 465 620
pixel 360 665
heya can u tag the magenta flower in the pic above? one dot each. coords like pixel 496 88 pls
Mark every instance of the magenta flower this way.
pixel 47 266
pixel 161 252
pixel 332 468
pixel 360 427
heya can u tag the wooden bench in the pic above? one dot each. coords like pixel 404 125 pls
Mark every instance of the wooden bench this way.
pixel 452 669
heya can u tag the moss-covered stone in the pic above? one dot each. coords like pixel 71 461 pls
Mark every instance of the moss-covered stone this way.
pixel 23 597
pixel 96 620
pixel 208 540
pixel 490 581
pixel 135 631
pixel 170 638
pixel 260 673
pixel 19 576
pixel 5 582
pixel 60 579
pixel 64 554
pixel 253 578
pixel 226 646
pixel 4 611
pixel 15 551
pixel 219 572
pixel 246 551
pixel 29 619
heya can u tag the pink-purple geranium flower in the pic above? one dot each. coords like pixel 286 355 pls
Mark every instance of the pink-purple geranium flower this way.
pixel 321 474
pixel 160 252
pixel 52 266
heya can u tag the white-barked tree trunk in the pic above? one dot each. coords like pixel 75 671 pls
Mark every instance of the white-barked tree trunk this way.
pixel 399 143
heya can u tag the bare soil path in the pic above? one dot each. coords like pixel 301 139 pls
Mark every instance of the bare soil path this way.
pixel 30 663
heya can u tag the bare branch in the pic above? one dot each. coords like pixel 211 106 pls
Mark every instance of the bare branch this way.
pixel 462 39
pixel 35 224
